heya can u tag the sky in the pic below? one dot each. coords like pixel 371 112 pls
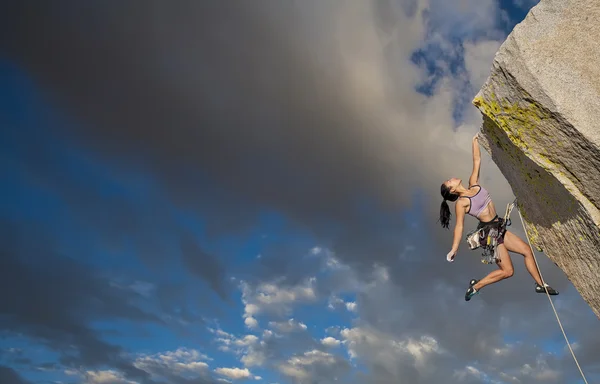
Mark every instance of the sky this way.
pixel 248 192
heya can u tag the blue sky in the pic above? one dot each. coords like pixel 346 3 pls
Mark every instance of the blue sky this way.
pixel 134 260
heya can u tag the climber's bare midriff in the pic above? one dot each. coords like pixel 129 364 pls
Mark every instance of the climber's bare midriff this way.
pixel 488 213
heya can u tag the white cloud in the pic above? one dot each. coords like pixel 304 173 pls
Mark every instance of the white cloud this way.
pixel 105 377
pixel 229 342
pixel 351 306
pixel 251 322
pixel 180 362
pixel 253 358
pixel 375 347
pixel 288 326
pixel 302 367
pixel 541 370
pixel 273 298
pixel 234 373
pixel 248 347
pixel 469 372
pixel 478 57
pixel 330 341
pixel 334 302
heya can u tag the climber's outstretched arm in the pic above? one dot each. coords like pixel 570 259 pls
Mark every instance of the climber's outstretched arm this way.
pixel 460 210
pixel 474 179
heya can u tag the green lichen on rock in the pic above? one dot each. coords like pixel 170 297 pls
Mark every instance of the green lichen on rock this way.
pixel 519 119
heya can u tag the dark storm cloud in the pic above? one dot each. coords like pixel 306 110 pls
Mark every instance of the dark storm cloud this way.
pixel 230 94
pixel 290 106
pixel 52 300
pixel 203 264
pixel 9 375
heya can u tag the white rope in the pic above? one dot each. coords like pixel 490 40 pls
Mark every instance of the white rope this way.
pixel 547 294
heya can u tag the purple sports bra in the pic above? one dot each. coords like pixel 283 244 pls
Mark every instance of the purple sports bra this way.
pixel 479 201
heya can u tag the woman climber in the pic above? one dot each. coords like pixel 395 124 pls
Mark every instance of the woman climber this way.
pixel 476 201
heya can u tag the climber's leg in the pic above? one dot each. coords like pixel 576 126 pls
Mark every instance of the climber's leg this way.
pixel 515 244
pixel 504 271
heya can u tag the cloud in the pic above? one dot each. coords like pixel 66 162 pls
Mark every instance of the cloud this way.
pixel 234 373
pixel 313 366
pixel 398 358
pixel 288 326
pixel 330 341
pixel 106 377
pixel 469 374
pixel 181 362
pixel 229 342
pixel 203 264
pixel 61 303
pixel 274 298
pixel 332 75
pixel 9 375
pixel 181 366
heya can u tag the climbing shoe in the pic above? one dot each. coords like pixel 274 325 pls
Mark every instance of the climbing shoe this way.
pixel 471 291
pixel 546 287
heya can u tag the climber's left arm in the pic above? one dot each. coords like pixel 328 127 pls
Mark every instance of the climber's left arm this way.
pixel 474 179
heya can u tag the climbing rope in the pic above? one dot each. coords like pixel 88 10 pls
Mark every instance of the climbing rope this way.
pixel 550 299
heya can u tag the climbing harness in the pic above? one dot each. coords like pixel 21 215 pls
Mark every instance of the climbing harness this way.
pixel 487 236
pixel 550 299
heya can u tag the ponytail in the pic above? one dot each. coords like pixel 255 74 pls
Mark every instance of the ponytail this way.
pixel 445 214
pixel 444 209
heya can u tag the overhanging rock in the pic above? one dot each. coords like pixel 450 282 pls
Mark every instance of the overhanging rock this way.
pixel 541 126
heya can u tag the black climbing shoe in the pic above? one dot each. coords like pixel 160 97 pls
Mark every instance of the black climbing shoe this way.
pixel 471 291
pixel 540 289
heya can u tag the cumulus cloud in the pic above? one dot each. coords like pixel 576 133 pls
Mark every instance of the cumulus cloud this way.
pixel 330 341
pixel 234 373
pixel 469 373
pixel 176 366
pixel 180 361
pixel 288 326
pixel 106 377
pixel 273 298
pixel 180 366
pixel 395 356
pixel 314 365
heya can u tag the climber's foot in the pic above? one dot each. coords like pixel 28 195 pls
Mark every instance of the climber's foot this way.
pixel 546 287
pixel 471 291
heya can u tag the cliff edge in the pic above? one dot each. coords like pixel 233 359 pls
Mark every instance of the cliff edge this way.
pixel 541 126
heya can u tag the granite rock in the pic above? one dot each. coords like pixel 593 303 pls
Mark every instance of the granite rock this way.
pixel 541 126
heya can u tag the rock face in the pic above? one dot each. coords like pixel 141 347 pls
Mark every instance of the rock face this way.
pixel 541 126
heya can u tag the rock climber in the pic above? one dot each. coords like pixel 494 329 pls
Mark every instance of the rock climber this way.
pixel 476 201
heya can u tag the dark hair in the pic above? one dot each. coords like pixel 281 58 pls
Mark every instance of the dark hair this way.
pixel 444 209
